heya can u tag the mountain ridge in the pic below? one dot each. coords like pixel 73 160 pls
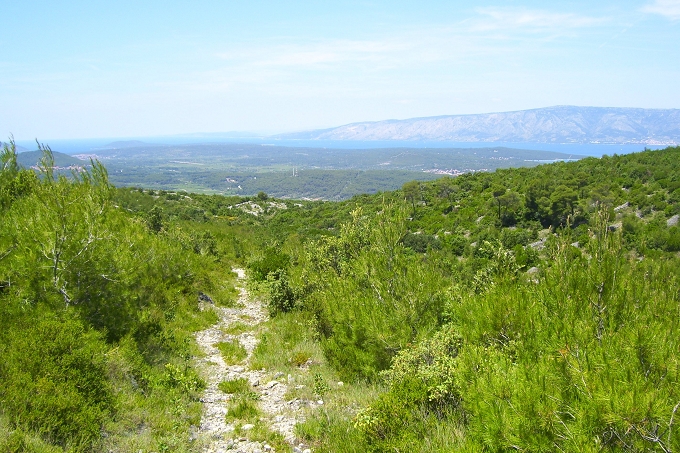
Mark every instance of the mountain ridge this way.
pixel 557 124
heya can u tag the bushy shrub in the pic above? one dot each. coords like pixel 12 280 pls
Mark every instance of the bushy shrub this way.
pixel 92 309
pixel 271 260
pixel 423 392
pixel 376 300
pixel 53 381
pixel 673 241
pixel 518 236
pixel 421 242
pixel 582 359
pixel 183 378
pixel 457 243
pixel 397 420
pixel 433 363
pixel 281 296
pixel 525 257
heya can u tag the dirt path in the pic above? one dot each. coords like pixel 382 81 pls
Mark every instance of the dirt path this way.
pixel 281 415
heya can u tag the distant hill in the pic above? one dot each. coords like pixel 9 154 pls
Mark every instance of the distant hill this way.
pixel 31 158
pixel 19 149
pixel 561 124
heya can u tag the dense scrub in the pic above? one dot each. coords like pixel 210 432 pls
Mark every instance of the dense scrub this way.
pixel 582 358
pixel 531 309
pixel 96 315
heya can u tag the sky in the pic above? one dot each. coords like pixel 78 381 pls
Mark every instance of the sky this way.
pixel 92 69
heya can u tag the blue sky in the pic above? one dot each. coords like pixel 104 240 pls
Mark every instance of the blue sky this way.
pixel 88 69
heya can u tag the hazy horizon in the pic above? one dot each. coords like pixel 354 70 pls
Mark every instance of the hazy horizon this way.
pixel 264 135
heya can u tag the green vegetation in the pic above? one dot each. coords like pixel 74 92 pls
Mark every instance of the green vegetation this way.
pixel 287 343
pixel 236 328
pixel 96 318
pixel 30 159
pixel 296 172
pixel 239 386
pixel 579 354
pixel 532 309
pixel 232 351
pixel 244 409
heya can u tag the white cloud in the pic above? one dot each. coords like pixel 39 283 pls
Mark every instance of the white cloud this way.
pixel 332 52
pixel 318 66
pixel 520 18
pixel 314 54
pixel 668 8
pixel 473 37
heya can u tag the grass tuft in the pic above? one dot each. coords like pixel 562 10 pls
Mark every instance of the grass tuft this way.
pixel 286 343
pixel 243 409
pixel 237 328
pixel 232 351
pixel 300 358
pixel 235 386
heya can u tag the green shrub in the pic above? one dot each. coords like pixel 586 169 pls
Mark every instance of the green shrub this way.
pixel 525 257
pixel 321 387
pixel 281 296
pixel 271 260
pixel 402 419
pixel 421 242
pixel 673 241
pixel 517 236
pixel 96 319
pixel 457 243
pixel 183 378
pixel 299 358
pixel 433 363
pixel 423 393
pixel 53 382
pixel 382 300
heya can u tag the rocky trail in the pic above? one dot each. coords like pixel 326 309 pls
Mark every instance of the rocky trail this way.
pixel 219 433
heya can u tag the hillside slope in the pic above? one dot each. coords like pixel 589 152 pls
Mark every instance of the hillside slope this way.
pixel 29 159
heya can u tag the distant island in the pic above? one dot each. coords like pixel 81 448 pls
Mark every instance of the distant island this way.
pixel 560 124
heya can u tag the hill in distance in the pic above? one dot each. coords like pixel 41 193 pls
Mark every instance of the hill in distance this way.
pixel 29 159
pixel 560 124
pixel 19 149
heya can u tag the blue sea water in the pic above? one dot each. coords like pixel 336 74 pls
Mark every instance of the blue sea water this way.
pixel 81 146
